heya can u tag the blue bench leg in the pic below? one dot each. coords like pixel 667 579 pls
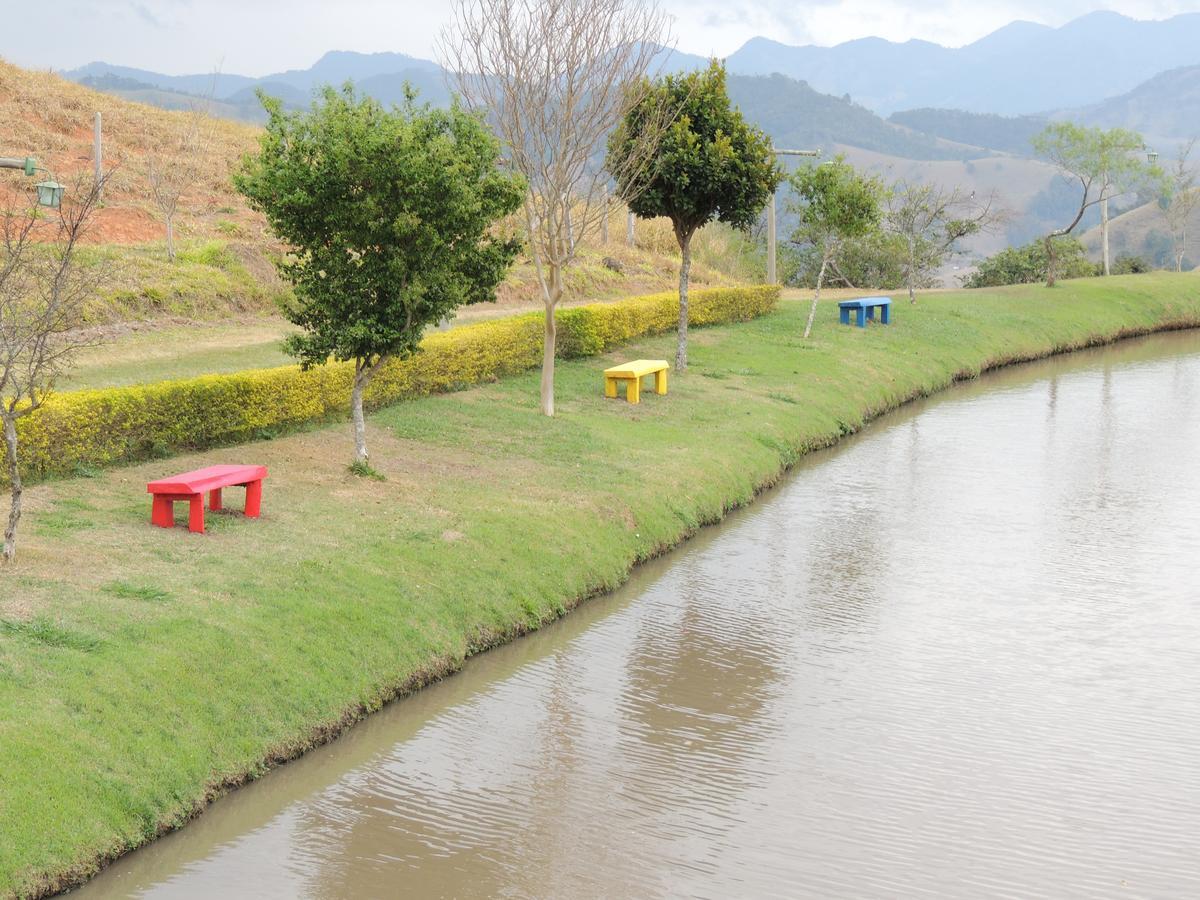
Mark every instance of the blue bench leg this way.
pixel 886 315
pixel 844 316
pixel 860 318
pixel 871 313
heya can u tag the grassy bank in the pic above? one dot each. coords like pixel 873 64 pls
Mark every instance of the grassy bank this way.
pixel 141 670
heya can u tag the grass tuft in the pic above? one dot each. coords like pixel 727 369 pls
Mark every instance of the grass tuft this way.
pixel 127 591
pixel 364 470
pixel 43 631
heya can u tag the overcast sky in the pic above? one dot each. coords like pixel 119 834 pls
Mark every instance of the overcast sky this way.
pixel 256 37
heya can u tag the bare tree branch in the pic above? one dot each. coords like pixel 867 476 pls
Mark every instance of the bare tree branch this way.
pixel 43 294
pixel 554 77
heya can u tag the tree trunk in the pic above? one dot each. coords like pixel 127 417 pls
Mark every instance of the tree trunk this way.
pixel 171 238
pixel 1050 261
pixel 1104 228
pixel 1179 262
pixel 548 346
pixel 812 310
pixel 912 269
pixel 14 477
pixel 362 377
pixel 685 269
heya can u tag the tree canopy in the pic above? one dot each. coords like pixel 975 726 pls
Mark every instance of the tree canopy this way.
pixel 833 203
pixel 709 164
pixel 1096 160
pixel 390 217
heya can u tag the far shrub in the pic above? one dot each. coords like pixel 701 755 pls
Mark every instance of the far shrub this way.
pixel 1028 264
pixel 876 260
pixel 1130 264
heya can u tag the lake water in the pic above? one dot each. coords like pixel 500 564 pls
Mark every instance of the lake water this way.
pixel 956 656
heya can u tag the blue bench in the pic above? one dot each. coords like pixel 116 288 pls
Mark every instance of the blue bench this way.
pixel 864 308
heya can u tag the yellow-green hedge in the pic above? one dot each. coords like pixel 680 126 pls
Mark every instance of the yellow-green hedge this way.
pixel 118 425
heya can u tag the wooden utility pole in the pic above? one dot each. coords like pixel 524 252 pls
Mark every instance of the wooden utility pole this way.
pixel 771 236
pixel 629 230
pixel 604 219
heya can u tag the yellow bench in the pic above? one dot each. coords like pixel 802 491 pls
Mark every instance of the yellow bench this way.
pixel 632 374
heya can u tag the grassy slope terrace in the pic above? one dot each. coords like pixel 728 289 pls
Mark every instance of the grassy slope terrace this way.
pixel 144 670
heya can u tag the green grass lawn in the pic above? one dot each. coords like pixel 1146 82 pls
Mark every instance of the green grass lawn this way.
pixel 143 669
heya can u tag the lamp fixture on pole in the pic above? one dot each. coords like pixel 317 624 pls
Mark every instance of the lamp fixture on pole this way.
pixel 49 193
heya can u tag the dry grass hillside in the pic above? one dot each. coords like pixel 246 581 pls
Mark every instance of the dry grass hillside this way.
pixel 50 118
pixel 1143 232
pixel 1015 180
pixel 224 264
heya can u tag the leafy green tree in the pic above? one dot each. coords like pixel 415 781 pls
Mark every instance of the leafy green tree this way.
pixel 709 164
pixel 390 216
pixel 1100 161
pixel 1028 264
pixel 834 204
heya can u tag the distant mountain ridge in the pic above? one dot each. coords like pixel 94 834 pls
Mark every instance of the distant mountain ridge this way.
pixel 1022 68
pixel 791 111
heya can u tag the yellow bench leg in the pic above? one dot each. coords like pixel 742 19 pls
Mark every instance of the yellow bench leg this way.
pixel 660 382
pixel 610 387
pixel 633 390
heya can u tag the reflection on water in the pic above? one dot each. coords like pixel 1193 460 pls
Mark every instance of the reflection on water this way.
pixel 956 656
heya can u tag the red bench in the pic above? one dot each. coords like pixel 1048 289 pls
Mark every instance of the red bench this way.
pixel 192 486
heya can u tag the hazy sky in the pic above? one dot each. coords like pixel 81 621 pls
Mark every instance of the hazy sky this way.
pixel 256 37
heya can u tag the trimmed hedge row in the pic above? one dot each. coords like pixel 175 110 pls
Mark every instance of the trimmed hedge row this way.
pixel 119 425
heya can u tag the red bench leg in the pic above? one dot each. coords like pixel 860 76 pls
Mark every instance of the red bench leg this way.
pixel 214 499
pixel 162 513
pixel 253 499
pixel 196 515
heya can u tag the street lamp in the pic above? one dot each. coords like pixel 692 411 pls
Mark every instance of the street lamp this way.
pixel 49 193
pixel 771 279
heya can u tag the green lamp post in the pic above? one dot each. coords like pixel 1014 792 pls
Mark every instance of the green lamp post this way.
pixel 49 193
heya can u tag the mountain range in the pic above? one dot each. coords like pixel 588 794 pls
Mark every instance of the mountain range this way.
pixel 1023 68
pixel 957 115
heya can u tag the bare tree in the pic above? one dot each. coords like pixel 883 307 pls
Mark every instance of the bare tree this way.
pixel 932 220
pixel 42 297
pixel 175 164
pixel 555 77
pixel 1181 202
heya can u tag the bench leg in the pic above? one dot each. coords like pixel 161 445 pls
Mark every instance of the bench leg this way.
pixel 214 499
pixel 196 514
pixel 633 390
pixel 871 313
pixel 860 317
pixel 660 382
pixel 844 316
pixel 162 512
pixel 886 315
pixel 253 499
pixel 610 387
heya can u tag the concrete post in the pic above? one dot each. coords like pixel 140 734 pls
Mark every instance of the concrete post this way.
pixel 98 154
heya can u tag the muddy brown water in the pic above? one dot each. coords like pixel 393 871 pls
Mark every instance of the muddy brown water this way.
pixel 956 656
